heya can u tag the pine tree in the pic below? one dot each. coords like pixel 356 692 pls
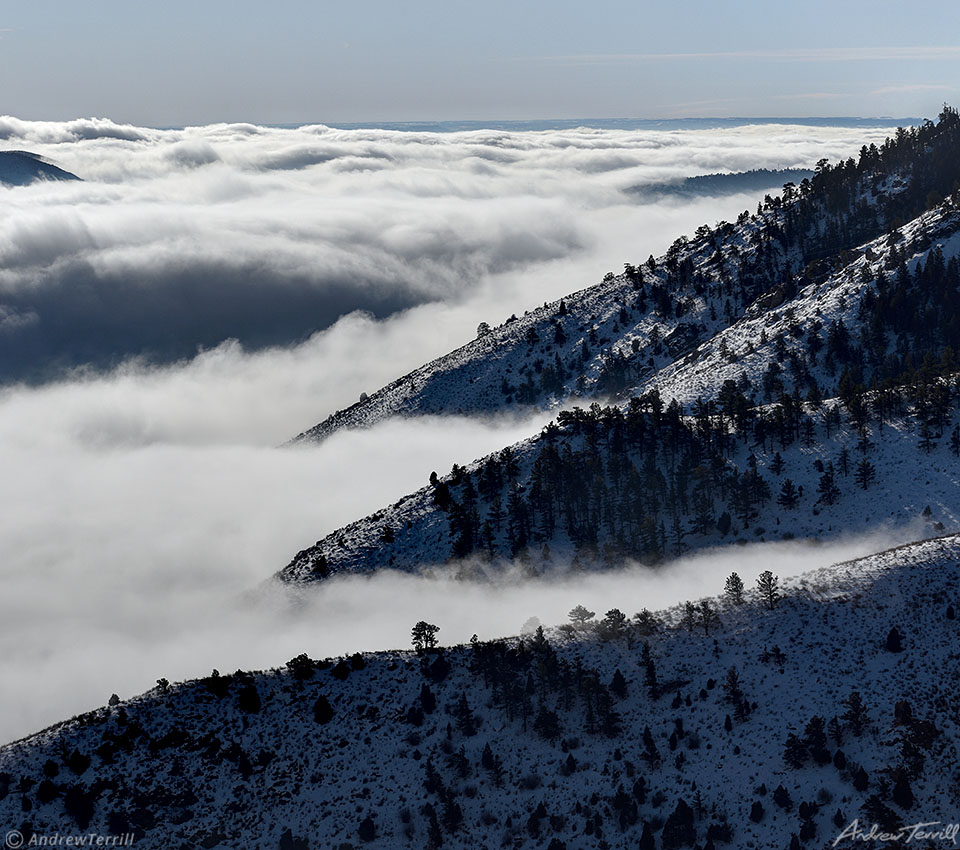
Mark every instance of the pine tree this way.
pixel 547 724
pixel 650 672
pixel 322 710
pixel 827 487
pixel 618 684
pixel 614 623
pixel 866 473
pixel 581 615
pixel 707 616
pixel 777 464
pixel 795 751
pixel 781 797
pixel 861 781
pixel 679 830
pixel 466 722
pixel 424 636
pixel 903 793
pixel 368 830
pixel 767 584
pixel 650 752
pixel 856 715
pixel 646 622
pixel 734 589
pixel 788 497
pixel 732 691
pixel 487 757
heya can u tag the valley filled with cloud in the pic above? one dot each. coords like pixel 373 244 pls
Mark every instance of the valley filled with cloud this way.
pixel 205 294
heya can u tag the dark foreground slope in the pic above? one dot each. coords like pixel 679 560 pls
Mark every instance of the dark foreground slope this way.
pixel 837 704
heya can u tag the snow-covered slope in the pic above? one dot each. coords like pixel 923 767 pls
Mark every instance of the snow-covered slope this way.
pixel 770 332
pixel 745 350
pixel 20 168
pixel 620 334
pixel 583 739
pixel 910 486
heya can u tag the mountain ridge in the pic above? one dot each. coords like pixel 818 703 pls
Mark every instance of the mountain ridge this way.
pixel 772 720
pixel 697 288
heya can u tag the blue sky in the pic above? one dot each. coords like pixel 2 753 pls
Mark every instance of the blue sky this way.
pixel 367 60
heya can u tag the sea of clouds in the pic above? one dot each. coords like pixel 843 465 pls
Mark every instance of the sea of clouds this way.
pixel 207 293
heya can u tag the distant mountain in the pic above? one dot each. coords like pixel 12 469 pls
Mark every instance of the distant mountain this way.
pixel 794 374
pixel 652 124
pixel 20 168
pixel 714 185
pixel 775 722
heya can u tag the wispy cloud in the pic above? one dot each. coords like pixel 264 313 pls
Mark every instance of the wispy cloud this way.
pixel 917 87
pixel 728 105
pixel 804 54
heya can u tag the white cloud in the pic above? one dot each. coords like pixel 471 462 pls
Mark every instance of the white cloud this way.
pixel 180 238
pixel 137 505
pixel 916 87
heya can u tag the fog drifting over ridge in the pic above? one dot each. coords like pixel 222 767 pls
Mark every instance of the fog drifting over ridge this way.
pixel 185 238
pixel 139 503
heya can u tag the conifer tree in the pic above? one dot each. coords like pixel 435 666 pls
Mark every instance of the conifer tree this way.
pixel 733 589
pixel 768 584
pixel 788 497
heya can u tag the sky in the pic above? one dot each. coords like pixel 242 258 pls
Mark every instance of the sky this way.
pixel 292 61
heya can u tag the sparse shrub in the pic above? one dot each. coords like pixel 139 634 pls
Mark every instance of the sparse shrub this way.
pixel 302 667
pixel 322 710
pixel 249 699
pixel 367 830
pixel 530 782
pixel 78 762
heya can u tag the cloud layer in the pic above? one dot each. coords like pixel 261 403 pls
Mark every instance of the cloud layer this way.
pixel 139 504
pixel 182 239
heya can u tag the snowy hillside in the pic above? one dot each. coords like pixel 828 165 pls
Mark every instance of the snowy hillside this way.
pixel 751 403
pixel 20 168
pixel 657 499
pixel 620 334
pixel 773 722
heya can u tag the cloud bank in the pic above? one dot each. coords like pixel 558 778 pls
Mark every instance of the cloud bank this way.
pixel 139 503
pixel 181 239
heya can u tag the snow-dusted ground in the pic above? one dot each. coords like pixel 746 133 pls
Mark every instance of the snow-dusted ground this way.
pixel 482 376
pixel 908 481
pixel 467 380
pixel 188 768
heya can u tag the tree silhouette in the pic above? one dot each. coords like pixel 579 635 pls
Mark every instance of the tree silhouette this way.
pixel 424 636
pixel 767 584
